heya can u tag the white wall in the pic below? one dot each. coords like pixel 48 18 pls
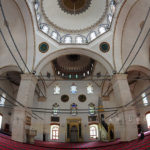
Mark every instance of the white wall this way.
pixel 7 86
pixel 73 98
pixel 140 86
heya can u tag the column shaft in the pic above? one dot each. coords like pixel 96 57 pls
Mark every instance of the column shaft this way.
pixel 126 125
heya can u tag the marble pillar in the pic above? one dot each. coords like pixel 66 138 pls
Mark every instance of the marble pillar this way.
pixel 25 96
pixel 126 119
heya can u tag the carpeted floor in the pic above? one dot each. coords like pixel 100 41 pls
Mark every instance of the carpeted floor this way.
pixel 7 144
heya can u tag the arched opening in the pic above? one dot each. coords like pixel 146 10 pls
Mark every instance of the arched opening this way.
pixel 69 51
pixel 54 132
pixel 148 120
pixel 1 118
pixel 93 131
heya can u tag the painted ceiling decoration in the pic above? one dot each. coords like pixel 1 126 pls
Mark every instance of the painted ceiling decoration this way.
pixel 73 66
pixel 73 23
pixel 74 7
pixel 104 47
pixel 78 22
pixel 43 47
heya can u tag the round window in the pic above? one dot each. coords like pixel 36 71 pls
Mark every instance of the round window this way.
pixel 82 98
pixel 64 98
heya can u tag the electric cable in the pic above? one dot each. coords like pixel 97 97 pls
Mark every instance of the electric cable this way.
pixel 12 37
pixel 4 17
pixel 136 40
pixel 10 50
pixel 135 99
pixel 13 99
pixel 139 48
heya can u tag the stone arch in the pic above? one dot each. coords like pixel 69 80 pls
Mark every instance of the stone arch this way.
pixel 9 68
pixel 142 69
pixel 124 30
pixel 21 23
pixel 80 51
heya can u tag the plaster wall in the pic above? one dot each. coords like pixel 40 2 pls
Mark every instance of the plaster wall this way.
pixel 6 112
pixel 73 98
pixel 140 86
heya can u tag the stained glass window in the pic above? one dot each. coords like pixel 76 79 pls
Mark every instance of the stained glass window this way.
pixel 68 39
pixel 73 89
pixel 145 100
pixel 55 109
pixel 79 39
pixel 91 109
pixel 57 89
pixel 54 35
pixel 102 29
pixel 90 89
pixel 2 100
pixel 44 28
pixel 74 109
pixel 92 35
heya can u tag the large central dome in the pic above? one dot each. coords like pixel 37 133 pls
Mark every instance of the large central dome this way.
pixel 74 6
pixel 74 15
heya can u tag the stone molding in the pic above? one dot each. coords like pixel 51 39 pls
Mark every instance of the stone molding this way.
pixel 29 77
pixel 117 77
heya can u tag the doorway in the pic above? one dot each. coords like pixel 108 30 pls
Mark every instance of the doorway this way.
pixel 74 130
pixel 74 134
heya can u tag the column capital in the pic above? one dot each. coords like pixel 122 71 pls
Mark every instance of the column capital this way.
pixel 30 77
pixel 117 77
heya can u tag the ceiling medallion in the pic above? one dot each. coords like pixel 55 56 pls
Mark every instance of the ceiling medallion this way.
pixel 74 7
pixel 43 47
pixel 104 47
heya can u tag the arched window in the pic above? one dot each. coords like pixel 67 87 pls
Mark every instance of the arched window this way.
pixel 92 35
pixel 79 39
pixel 1 117
pixel 54 35
pixel 148 119
pixel 109 18
pixel 90 89
pixel 102 29
pixel 55 109
pixel 44 28
pixel 2 100
pixel 91 109
pixel 54 132
pixel 38 16
pixel 94 131
pixel 74 109
pixel 68 39
pixel 112 6
pixel 144 98
pixel 56 89
pixel 36 5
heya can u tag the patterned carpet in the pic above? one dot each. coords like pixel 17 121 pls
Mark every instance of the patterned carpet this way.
pixel 7 144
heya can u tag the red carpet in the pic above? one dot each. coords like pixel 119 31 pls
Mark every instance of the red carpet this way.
pixel 7 144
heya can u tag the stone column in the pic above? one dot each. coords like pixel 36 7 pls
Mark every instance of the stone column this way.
pixel 126 118
pixel 25 96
